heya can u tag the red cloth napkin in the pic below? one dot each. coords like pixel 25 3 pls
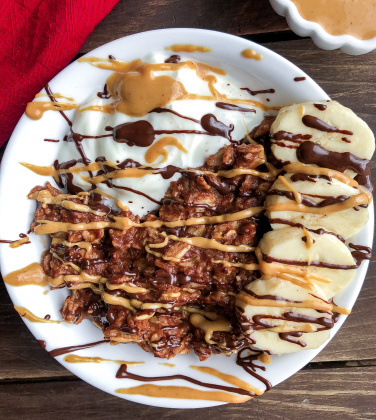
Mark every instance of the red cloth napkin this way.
pixel 38 39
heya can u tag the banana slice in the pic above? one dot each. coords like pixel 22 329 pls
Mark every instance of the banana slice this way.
pixel 333 126
pixel 314 192
pixel 284 317
pixel 320 259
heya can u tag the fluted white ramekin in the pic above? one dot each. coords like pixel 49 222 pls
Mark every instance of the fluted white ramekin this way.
pixel 320 37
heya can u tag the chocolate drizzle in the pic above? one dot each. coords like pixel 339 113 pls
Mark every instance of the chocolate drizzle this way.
pixel 247 362
pixel 42 343
pixel 268 259
pixel 69 349
pixel 104 94
pixel 258 92
pixel 216 128
pixel 317 124
pixel 123 373
pixel 311 153
pixel 138 133
pixel 173 59
pixel 319 231
pixel 295 138
pixel 288 336
pixel 360 253
pixel 299 79
pixel 327 201
pixel 320 107
pixel 232 107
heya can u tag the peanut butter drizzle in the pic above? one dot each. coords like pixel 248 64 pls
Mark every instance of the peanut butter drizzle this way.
pixel 19 242
pixel 251 54
pixel 42 170
pixel 170 365
pixel 189 48
pixel 286 327
pixel 318 305
pixel 264 358
pixel 56 95
pixel 118 202
pixel 133 304
pixel 309 240
pixel 297 195
pixel 230 379
pixel 47 227
pixel 160 255
pixel 80 286
pixel 313 170
pixel 202 242
pixel 32 274
pixel 117 300
pixel 182 392
pixel 36 109
pixel 45 197
pixel 353 201
pixel 209 327
pixel 211 315
pixel 122 173
pixel 82 244
pixel 127 287
pixel 33 318
pixel 137 90
pixel 250 267
pixel 158 149
pixel 73 358
pixel 340 17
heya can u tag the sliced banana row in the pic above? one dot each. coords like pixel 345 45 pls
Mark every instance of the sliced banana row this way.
pixel 312 209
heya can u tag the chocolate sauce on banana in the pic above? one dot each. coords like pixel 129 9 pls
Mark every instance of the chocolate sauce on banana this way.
pixel 329 201
pixel 360 253
pixel 295 138
pixel 320 107
pixel 268 259
pixel 317 124
pixel 311 153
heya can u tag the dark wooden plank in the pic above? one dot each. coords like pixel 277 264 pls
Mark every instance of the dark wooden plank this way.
pixel 235 17
pixel 330 393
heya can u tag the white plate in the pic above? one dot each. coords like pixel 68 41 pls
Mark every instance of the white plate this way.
pixel 347 43
pixel 80 80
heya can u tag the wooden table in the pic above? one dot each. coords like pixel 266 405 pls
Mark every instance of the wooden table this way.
pixel 340 381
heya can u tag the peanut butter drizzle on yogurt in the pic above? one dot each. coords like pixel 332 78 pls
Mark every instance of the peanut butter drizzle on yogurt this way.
pixel 31 275
pixel 251 54
pixel 190 48
pixel 158 149
pixel 73 358
pixel 33 318
pixel 137 91
pixel 36 109
pixel 182 392
pixel 340 17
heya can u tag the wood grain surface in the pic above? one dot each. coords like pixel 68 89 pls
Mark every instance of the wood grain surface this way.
pixel 340 382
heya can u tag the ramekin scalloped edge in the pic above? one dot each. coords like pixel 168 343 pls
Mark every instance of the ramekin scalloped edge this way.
pixel 324 40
